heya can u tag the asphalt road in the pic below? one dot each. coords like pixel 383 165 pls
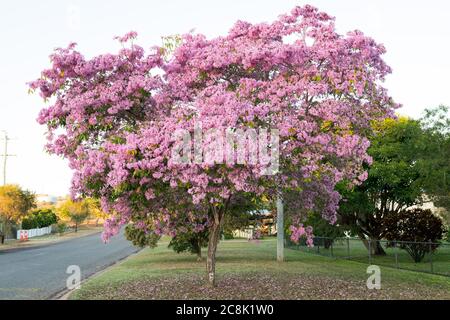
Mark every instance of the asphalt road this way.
pixel 40 273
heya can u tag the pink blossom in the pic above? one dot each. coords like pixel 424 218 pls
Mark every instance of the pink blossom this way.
pixel 113 117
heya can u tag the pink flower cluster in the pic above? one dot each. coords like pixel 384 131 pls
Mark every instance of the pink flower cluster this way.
pixel 300 231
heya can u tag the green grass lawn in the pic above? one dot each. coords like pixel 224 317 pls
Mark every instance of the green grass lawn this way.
pixel 438 262
pixel 249 270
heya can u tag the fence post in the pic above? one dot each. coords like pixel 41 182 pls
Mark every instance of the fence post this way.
pixel 431 256
pixel 370 251
pixel 396 254
pixel 318 247
pixel 348 247
pixel 331 252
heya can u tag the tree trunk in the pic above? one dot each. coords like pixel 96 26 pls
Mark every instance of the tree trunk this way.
pixel 197 249
pixel 364 240
pixel 76 227
pixel 375 246
pixel 378 248
pixel 214 235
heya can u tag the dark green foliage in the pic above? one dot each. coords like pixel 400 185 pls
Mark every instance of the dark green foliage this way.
pixel 190 242
pixel 139 238
pixel 394 180
pixel 435 158
pixel 242 213
pixel 61 227
pixel 323 230
pixel 39 219
pixel 418 225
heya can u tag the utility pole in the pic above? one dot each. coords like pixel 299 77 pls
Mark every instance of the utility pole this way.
pixel 280 229
pixel 5 155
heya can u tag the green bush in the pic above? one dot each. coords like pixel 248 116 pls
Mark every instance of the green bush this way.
pixel 228 235
pixel 416 229
pixel 61 227
pixel 39 219
pixel 190 242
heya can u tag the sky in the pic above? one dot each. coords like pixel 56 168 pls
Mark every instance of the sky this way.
pixel 415 33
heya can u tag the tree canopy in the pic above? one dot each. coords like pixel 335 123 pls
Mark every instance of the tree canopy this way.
pixel 75 211
pixel 15 204
pixel 393 183
pixel 116 116
pixel 435 159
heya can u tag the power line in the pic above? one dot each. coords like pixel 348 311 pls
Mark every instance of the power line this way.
pixel 5 154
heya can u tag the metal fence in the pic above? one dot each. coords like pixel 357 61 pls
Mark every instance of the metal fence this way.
pixel 427 257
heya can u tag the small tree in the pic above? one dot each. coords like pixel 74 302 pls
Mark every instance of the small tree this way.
pixel 418 230
pixel 190 242
pixel 75 211
pixel 14 205
pixel 96 210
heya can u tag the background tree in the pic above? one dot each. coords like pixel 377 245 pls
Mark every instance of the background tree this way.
pixel 421 227
pixel 95 210
pixel 324 230
pixel 14 206
pixel 243 211
pixel 394 180
pixel 190 242
pixel 75 211
pixel 114 118
pixel 434 163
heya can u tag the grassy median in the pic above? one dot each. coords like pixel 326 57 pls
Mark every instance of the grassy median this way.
pixel 249 270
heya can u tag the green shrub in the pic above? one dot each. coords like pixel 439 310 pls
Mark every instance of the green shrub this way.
pixel 419 231
pixel 190 242
pixel 39 219
pixel 61 227
pixel 228 235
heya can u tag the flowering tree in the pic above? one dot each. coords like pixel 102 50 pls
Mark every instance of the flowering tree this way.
pixel 114 117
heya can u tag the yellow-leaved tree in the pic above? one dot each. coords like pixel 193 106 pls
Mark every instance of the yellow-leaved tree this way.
pixel 14 206
pixel 75 211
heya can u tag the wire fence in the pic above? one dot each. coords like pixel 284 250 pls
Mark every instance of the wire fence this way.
pixel 429 257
